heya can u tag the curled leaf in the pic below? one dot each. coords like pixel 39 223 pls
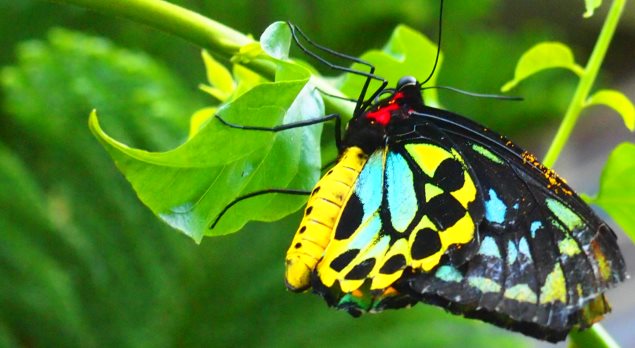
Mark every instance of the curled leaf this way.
pixel 189 186
pixel 618 102
pixel 276 40
pixel 545 55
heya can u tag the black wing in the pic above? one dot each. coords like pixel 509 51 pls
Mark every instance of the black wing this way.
pixel 544 258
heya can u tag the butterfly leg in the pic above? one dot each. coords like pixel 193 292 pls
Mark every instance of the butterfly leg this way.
pixel 335 96
pixel 275 129
pixel 304 123
pixel 296 33
pixel 255 194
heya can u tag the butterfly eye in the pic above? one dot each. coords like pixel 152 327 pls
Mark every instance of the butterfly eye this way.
pixel 406 81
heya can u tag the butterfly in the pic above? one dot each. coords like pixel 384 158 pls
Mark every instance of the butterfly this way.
pixel 424 205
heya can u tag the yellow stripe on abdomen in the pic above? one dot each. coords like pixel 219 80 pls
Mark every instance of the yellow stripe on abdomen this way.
pixel 322 210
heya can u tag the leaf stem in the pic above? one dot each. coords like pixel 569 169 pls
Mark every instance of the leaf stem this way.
pixel 198 29
pixel 586 82
pixel 596 337
pixel 181 22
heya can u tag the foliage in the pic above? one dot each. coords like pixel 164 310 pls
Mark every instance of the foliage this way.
pixel 74 270
pixel 220 163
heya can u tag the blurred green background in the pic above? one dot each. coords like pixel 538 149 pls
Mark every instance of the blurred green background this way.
pixel 84 263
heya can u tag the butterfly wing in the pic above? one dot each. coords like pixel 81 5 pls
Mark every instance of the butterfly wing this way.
pixel 544 258
pixel 454 215
pixel 412 204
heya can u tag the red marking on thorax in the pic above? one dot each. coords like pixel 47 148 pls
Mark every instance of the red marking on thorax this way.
pixel 384 113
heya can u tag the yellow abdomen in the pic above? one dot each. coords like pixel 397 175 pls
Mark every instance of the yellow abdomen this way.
pixel 322 211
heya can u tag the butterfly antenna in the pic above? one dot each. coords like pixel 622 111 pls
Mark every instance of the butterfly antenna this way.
pixel 436 59
pixel 473 94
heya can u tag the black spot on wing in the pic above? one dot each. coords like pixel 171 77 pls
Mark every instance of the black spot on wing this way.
pixel 351 218
pixel 361 270
pixel 426 243
pixel 393 264
pixel 444 210
pixel 449 175
pixel 340 262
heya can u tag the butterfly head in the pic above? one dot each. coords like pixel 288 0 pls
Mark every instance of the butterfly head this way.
pixel 398 105
pixel 369 129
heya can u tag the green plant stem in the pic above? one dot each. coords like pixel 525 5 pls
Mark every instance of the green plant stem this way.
pixel 586 83
pixel 189 25
pixel 200 30
pixel 595 337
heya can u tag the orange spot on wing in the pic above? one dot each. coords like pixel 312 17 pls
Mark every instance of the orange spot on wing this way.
pixel 554 181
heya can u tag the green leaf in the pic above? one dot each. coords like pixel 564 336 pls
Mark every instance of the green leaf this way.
pixel 189 186
pixel 408 52
pixel 245 80
pixel 200 118
pixel 247 53
pixel 221 83
pixel 596 336
pixel 545 55
pixel 618 102
pixel 590 6
pixel 617 187
pixel 276 40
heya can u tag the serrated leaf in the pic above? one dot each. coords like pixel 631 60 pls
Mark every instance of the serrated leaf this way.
pixel 545 55
pixel 617 187
pixel 276 40
pixel 618 102
pixel 590 6
pixel 221 83
pixel 188 187
pixel 407 52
